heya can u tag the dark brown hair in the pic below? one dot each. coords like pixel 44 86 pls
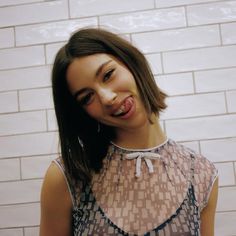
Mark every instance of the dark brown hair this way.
pixel 82 147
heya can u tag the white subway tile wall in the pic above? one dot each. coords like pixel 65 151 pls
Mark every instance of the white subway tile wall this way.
pixel 8 102
pixel 140 21
pixel 50 32
pixel 32 99
pixel 226 173
pixel 228 33
pixel 225 222
pixel 191 48
pixel 11 232
pixel 7 37
pixel 176 84
pixel 25 78
pixel 31 231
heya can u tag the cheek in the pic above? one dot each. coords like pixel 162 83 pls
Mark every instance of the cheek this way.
pixel 94 111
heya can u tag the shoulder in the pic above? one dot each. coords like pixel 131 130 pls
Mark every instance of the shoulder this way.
pixel 55 186
pixel 204 175
pixel 56 203
pixel 200 164
pixel 201 171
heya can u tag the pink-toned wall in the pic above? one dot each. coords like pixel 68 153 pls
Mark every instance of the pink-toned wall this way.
pixel 191 45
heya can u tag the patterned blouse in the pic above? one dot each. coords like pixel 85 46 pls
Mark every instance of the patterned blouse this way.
pixel 159 191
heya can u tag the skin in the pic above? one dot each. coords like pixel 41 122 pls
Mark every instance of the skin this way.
pixel 105 92
pixel 55 216
pixel 208 213
pixel 102 90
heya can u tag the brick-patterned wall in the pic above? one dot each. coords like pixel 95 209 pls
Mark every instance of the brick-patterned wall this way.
pixel 191 46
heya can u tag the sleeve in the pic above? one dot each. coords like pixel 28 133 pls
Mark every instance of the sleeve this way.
pixel 205 175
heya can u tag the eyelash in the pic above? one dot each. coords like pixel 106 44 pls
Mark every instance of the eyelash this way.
pixel 85 100
pixel 108 74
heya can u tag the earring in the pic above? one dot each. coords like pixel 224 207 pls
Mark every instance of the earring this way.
pixel 80 142
pixel 98 128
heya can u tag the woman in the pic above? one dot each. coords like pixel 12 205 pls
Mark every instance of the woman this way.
pixel 118 173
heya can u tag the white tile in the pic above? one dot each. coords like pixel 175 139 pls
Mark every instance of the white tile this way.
pixel 228 32
pixel 8 102
pixel 192 145
pixel 31 231
pixel 50 32
pixel 154 61
pixel 5 3
pixel 6 37
pixel 215 80
pixel 177 39
pixel 20 215
pixel 40 144
pixel 226 173
pixel 53 10
pixel 231 100
pixel 21 57
pixel 25 78
pixel 145 20
pixel 217 12
pixel 11 232
pixel 84 8
pixel 199 59
pixel 219 150
pixel 171 3
pixel 9 169
pixel 225 223
pixel 202 128
pixel 36 166
pixel 51 51
pixel 25 122
pixel 35 99
pixel 176 84
pixel 194 105
pixel 226 199
pixel 51 119
pixel 20 191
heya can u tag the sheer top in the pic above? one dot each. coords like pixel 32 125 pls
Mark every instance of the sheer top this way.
pixel 157 191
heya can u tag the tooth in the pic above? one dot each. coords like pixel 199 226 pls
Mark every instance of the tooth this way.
pixel 121 109
pixel 118 112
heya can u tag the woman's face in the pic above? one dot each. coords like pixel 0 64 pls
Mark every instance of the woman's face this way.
pixel 106 90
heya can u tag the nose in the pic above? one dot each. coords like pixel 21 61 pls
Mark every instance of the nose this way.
pixel 107 96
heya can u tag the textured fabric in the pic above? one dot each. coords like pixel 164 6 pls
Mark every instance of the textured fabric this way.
pixel 162 202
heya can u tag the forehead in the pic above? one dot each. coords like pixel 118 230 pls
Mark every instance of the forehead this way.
pixel 83 69
pixel 86 64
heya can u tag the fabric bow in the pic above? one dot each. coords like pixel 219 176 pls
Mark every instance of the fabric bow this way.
pixel 139 156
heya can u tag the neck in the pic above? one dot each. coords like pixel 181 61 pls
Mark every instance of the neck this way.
pixel 147 136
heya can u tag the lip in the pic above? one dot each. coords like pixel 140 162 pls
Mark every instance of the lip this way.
pixel 131 109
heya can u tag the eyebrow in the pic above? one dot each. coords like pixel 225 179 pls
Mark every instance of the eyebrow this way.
pixel 99 70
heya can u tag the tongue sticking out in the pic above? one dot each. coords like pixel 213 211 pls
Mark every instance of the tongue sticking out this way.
pixel 128 103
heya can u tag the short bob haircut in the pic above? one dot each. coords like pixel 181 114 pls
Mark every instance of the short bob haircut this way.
pixel 82 146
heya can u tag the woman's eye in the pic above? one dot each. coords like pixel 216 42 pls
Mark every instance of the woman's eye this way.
pixel 108 75
pixel 85 100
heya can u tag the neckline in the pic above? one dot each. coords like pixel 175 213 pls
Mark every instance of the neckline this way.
pixel 188 195
pixel 140 149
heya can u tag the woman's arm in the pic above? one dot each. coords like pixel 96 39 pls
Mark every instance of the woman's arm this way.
pixel 56 204
pixel 208 213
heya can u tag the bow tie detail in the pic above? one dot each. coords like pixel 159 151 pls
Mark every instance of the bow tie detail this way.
pixel 139 156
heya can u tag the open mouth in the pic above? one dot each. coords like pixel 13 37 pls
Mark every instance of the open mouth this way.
pixel 120 112
pixel 125 108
